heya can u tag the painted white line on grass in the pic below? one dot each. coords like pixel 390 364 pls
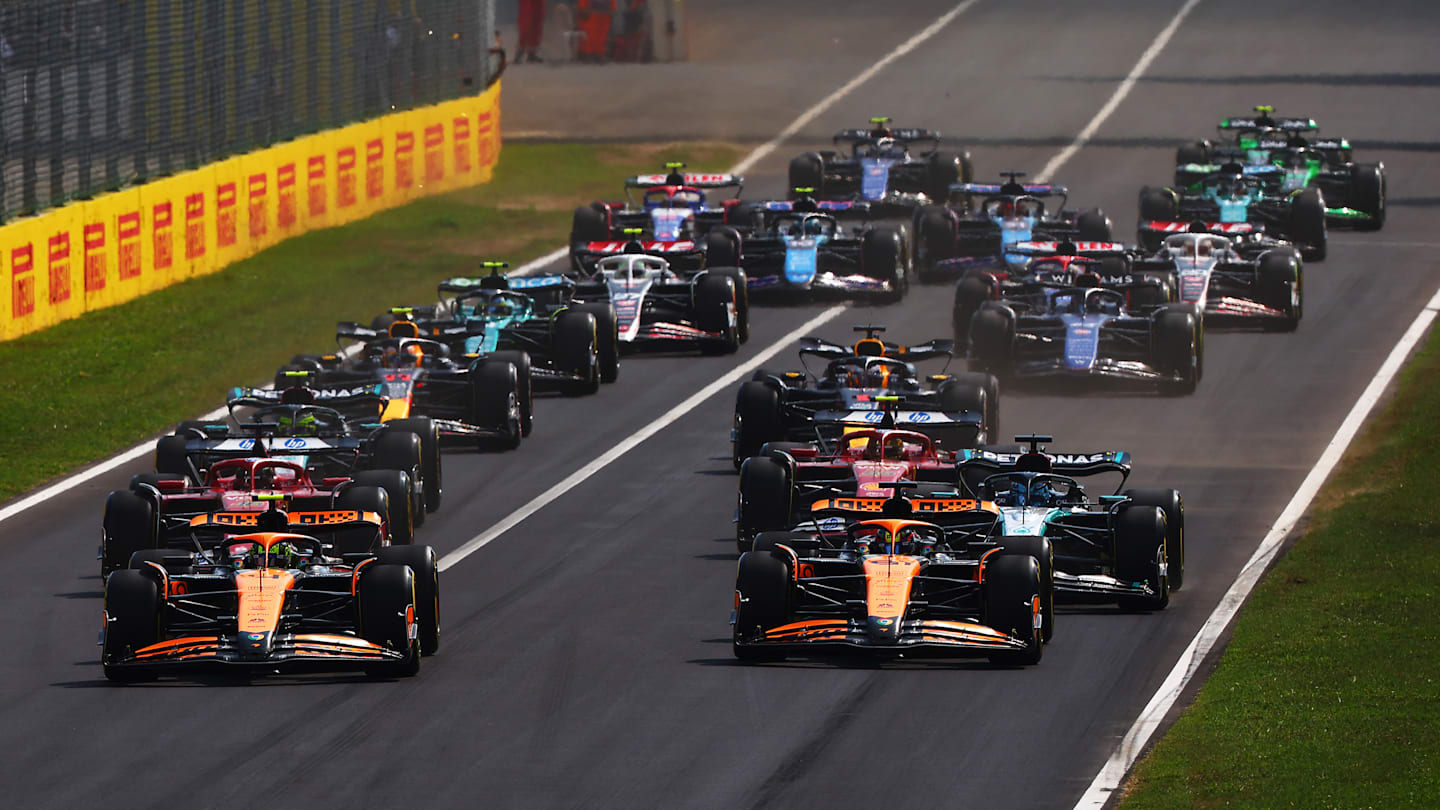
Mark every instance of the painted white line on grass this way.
pixel 1133 743
pixel 829 101
pixel 622 448
pixel 1121 92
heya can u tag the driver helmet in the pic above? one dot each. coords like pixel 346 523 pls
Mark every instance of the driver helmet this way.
pixel 1204 248
pixel 1031 492
pixel 1007 209
pixel 282 555
pixel 500 308
pixel 894 448
pixel 240 479
pixel 302 423
pixel 878 543
pixel 814 227
pixel 265 478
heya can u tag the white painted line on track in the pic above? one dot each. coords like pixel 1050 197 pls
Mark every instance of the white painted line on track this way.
pixel 127 456
pixel 829 101
pixel 622 448
pixel 1103 788
pixel 1161 40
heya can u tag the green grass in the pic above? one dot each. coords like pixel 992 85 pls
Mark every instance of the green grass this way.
pixel 1328 695
pixel 90 387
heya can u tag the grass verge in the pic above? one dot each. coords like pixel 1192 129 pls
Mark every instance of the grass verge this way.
pixel 1328 695
pixel 87 388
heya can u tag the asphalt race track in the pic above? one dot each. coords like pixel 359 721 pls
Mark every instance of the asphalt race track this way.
pixel 586 659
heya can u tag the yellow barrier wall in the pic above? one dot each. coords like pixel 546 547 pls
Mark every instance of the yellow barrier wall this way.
pixel 95 254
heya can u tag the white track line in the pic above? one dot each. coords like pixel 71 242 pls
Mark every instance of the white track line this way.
pixel 1145 726
pixel 127 456
pixel 829 101
pixel 1121 92
pixel 632 441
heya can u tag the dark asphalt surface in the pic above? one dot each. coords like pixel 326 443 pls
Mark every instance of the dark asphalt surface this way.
pixel 586 661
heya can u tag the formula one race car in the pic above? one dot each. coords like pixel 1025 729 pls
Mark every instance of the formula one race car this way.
pixel 1234 194
pixel 483 399
pixel 657 309
pixel 980 222
pixel 1055 265
pixel 535 323
pixel 673 206
pixel 269 600
pixel 881 169
pixel 887 587
pixel 863 386
pixel 1354 192
pixel 1241 279
pixel 802 248
pixel 1089 332
pixel 1128 547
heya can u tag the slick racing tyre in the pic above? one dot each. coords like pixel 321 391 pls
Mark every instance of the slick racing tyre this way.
pixel 404 451
pixel 722 247
pixel 1307 224
pixel 1197 152
pixel 742 298
pixel 426 569
pixel 757 419
pixel 170 456
pixel 716 310
pixel 591 223
pixel 976 392
pixel 385 596
pixel 882 256
pixel 764 499
pixel 1013 597
pixel 1367 193
pixel 396 507
pixel 575 341
pixel 431 480
pixel 1140 556
pixel 129 526
pixel 934 239
pixel 992 338
pixel 1044 554
pixel 521 361
pixel 1093 226
pixel 1169 502
pixel 971 293
pixel 1279 284
pixel 762 594
pixel 943 170
pixel 607 338
pixel 1176 350
pixel 807 171
pixel 132 621
pixel 495 403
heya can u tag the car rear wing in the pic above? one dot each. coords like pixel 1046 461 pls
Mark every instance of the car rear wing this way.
pixel 930 349
pixel 330 397
pixel 905 135
pixel 1255 122
pixel 984 463
pixel 1213 228
pixel 655 246
pixel 826 206
pixel 1032 189
pixel 1042 249
pixel 329 520
pixel 734 181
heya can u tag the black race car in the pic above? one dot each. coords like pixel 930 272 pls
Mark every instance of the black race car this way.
pixel 1234 194
pixel 882 170
pixel 975 228
pixel 871 383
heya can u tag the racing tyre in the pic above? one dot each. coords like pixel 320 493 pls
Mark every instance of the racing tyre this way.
pixel 1307 224
pixel 742 298
pixel 762 596
pixel 129 526
pixel 970 391
pixel 1140 556
pixel 992 338
pixel 807 171
pixel 521 361
pixel 757 419
pixel 722 247
pixel 195 429
pixel 426 569
pixel 1169 502
pixel 1367 193
pixel 1156 205
pixel 1044 554
pixel 311 362
pixel 431 480
pixel 1156 294
pixel 971 293
pixel 742 215
pixel 1197 152
pixel 607 338
pixel 495 403
pixel 381 323
pixel 882 256
pixel 403 450
pixel 1013 605
pixel 386 597
pixel 1093 226
pixel 591 223
pixel 132 621
pixel 942 170
pixel 576 353
pixel 1177 350
pixel 398 514
pixel 716 311
pixel 934 239
pixel 764 503
pixel 170 456
pixel 1280 288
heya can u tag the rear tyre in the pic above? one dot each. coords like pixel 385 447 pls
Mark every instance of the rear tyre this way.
pixel 1158 205
pixel 934 240
pixel 132 621
pixel 882 257
pixel 971 293
pixel 942 170
pixel 1093 226
pixel 722 247
pixel 170 456
pixel 431 480
pixel 1013 604
pixel 715 311
pixel 425 568
pixel 1140 556
pixel 129 526
pixel 762 589
pixel 992 338
pixel 398 512
pixel 589 224
pixel 404 451
pixel 764 503
pixel 757 419
pixel 1197 152
pixel 386 595
pixel 575 351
